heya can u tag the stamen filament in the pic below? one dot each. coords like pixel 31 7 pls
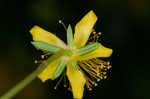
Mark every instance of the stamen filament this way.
pixel 58 82
pixel 96 68
pixel 61 22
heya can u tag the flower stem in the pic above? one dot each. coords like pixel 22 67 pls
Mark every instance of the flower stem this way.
pixel 12 92
pixel 17 88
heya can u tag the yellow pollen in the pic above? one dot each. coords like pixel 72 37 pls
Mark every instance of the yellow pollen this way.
pixel 99 33
pixel 94 32
pixel 95 84
pixel 98 80
pixel 104 73
pixel 105 77
pixel 108 63
pixel 35 61
pixel 94 37
pixel 60 21
pixel 90 89
pixel 42 56
pixel 69 89
pixel 65 85
pixel 108 67
pixel 101 77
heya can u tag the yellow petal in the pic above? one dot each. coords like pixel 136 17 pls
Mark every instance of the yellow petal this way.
pixel 101 51
pixel 48 72
pixel 42 35
pixel 77 81
pixel 84 28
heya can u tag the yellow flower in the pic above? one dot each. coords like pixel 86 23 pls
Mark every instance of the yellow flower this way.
pixel 77 56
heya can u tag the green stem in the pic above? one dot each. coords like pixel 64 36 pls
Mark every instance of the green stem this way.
pixel 12 92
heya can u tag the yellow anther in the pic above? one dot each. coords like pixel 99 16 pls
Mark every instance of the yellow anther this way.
pixel 104 73
pixel 98 74
pixel 90 89
pixel 95 84
pixel 94 32
pixel 109 67
pixel 101 77
pixel 98 80
pixel 35 61
pixel 55 88
pixel 97 37
pixel 65 85
pixel 105 77
pixel 42 56
pixel 60 22
pixel 69 89
pixel 108 63
pixel 99 33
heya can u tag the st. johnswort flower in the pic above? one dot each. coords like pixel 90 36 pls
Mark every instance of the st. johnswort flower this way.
pixel 78 59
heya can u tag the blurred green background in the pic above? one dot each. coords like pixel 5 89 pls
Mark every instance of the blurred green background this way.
pixel 125 26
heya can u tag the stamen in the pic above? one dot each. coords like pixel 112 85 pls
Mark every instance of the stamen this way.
pixel 91 66
pixel 90 89
pixel 99 33
pixel 89 71
pixel 88 80
pixel 69 88
pixel 35 61
pixel 95 84
pixel 61 22
pixel 96 68
pixel 42 56
pixel 94 32
pixel 58 82
pixel 104 73
pixel 88 85
pixel 105 77
pixel 65 83
pixel 94 37
pixel 98 80
pixel 109 67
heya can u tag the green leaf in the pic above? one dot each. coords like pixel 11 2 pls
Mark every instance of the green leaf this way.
pixel 74 64
pixel 45 46
pixel 87 49
pixel 69 35
pixel 60 68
